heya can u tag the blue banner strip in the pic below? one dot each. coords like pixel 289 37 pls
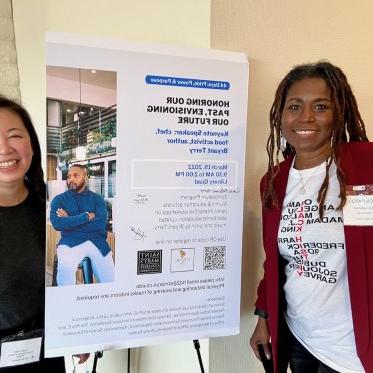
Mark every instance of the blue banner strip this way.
pixel 186 82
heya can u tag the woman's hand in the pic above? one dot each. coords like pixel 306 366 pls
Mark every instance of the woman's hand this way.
pixel 261 337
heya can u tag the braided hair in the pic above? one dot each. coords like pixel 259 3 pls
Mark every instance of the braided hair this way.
pixel 34 177
pixel 347 126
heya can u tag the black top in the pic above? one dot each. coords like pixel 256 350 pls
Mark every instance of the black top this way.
pixel 22 260
pixel 22 274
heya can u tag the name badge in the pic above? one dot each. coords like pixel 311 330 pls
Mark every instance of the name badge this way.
pixel 20 349
pixel 359 205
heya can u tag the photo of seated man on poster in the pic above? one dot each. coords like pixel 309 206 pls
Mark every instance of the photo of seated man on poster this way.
pixel 81 217
pixel 81 164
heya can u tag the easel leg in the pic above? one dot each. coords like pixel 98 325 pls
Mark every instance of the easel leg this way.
pixel 98 355
pixel 197 347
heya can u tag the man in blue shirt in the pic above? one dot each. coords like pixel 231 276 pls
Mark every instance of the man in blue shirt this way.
pixel 81 217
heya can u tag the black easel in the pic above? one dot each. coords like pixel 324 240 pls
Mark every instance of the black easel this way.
pixel 98 355
pixel 197 347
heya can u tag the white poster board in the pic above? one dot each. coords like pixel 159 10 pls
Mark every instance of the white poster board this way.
pixel 180 148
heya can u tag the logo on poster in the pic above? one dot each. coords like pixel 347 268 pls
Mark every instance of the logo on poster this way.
pixel 149 261
pixel 182 260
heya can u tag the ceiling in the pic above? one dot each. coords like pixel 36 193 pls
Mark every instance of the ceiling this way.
pixel 101 78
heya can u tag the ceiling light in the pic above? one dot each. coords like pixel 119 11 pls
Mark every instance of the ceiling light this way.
pixel 93 71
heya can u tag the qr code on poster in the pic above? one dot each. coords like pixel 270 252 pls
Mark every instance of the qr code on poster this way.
pixel 214 257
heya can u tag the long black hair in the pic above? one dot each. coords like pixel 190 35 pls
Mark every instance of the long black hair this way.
pixel 34 177
pixel 348 125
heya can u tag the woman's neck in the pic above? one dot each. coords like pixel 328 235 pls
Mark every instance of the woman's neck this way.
pixel 309 160
pixel 12 195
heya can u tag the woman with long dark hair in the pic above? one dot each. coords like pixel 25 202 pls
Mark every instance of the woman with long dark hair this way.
pixel 315 302
pixel 22 242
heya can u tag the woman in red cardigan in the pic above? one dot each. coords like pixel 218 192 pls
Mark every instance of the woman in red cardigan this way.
pixel 315 302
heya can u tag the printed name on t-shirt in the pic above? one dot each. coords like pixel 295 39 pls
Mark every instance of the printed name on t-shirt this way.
pixel 305 212
pixel 297 214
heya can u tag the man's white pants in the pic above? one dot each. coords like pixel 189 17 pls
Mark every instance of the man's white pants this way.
pixel 70 257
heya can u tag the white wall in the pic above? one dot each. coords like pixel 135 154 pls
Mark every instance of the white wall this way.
pixel 9 82
pixel 163 21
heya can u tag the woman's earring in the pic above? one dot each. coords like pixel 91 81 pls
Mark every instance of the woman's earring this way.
pixel 283 142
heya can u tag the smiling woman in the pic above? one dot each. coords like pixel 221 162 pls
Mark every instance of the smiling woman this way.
pixel 20 156
pixel 308 303
pixel 15 158
pixel 22 209
pixel 321 97
pixel 307 121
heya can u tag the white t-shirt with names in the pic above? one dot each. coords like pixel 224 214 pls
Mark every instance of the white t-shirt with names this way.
pixel 316 289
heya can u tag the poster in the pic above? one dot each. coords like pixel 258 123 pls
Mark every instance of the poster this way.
pixel 161 133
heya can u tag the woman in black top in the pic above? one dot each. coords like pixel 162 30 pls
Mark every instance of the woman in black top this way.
pixel 22 233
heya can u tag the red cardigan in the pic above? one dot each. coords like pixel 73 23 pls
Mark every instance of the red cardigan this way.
pixel 357 163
